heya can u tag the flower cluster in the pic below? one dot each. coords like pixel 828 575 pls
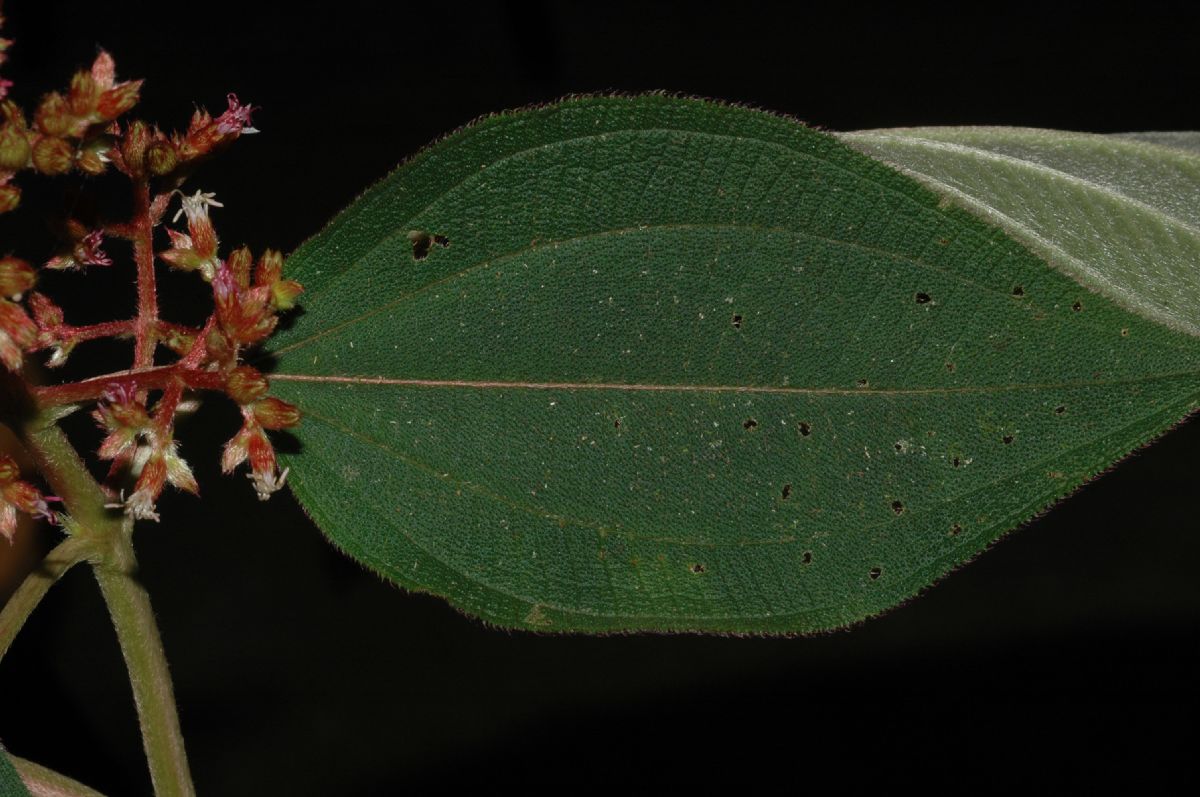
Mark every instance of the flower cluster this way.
pixel 83 129
pixel 18 496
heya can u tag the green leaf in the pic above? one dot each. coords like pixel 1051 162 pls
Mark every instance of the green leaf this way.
pixel 684 366
pixel 1119 214
pixel 10 782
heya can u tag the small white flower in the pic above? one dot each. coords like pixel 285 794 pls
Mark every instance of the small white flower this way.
pixel 196 205
pixel 140 506
pixel 266 484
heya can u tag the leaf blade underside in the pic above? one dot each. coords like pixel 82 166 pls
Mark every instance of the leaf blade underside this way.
pixel 683 366
pixel 1120 214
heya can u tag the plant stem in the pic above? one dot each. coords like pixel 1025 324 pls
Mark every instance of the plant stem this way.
pixel 22 603
pixel 149 379
pixel 43 782
pixel 128 605
pixel 108 329
pixel 143 256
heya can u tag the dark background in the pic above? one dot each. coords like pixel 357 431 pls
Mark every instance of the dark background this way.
pixel 1068 653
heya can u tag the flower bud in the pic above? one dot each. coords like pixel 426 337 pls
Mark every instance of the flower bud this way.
pixel 25 497
pixel 261 452
pixel 17 325
pixel 16 277
pixel 53 117
pixel 284 294
pixel 118 100
pixel 10 197
pixel 270 268
pixel 182 258
pixel 13 114
pixel 83 94
pixel 133 148
pixel 239 262
pixel 275 413
pixel 161 158
pixel 14 148
pixel 93 159
pixel 53 156
pixel 18 333
pixel 246 385
pixel 104 70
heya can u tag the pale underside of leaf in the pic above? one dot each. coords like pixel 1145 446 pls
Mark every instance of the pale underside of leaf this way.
pixel 1120 214
pixel 1188 141
pixel 681 366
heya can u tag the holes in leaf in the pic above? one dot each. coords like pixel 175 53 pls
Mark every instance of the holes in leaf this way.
pixel 1060 409
pixel 697 568
pixel 749 424
pixel 1077 307
pixel 806 558
pixel 1007 439
pixel 1018 291
pixel 737 322
pixel 787 491
pixel 955 530
pixel 423 241
pixel 805 428
pixel 898 507
pixel 875 572
pixel 922 298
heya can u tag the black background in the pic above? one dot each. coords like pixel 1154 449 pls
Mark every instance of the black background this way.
pixel 1068 653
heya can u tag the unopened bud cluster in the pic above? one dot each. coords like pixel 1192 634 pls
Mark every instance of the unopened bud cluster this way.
pixel 82 130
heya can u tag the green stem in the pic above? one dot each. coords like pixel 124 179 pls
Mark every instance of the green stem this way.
pixel 43 782
pixel 128 605
pixel 22 603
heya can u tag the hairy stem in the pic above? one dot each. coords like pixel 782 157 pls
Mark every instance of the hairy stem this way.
pixel 128 605
pixel 108 329
pixel 148 379
pixel 143 256
pixel 43 782
pixel 22 603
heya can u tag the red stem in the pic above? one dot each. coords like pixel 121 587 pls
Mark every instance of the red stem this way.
pixel 143 256
pixel 109 329
pixel 146 379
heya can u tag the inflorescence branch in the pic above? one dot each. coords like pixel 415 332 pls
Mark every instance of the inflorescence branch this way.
pixel 84 130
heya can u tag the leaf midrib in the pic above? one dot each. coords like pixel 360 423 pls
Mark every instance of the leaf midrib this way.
pixel 691 388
